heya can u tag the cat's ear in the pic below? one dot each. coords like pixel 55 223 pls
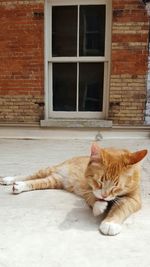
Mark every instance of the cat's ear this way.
pixel 137 156
pixel 95 152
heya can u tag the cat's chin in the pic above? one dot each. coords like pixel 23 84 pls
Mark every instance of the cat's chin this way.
pixel 97 194
pixel 109 199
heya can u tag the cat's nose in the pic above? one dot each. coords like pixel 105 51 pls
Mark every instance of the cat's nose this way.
pixel 104 195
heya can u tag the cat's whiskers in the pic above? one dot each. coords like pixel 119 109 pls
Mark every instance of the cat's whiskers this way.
pixel 116 202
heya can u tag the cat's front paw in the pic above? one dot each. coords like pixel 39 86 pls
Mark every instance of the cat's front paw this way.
pixel 110 228
pixel 8 180
pixel 18 187
pixel 99 207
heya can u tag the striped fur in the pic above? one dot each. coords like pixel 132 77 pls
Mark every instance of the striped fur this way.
pixel 108 175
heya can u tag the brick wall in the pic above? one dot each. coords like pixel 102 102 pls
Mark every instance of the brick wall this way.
pixel 129 62
pixel 21 61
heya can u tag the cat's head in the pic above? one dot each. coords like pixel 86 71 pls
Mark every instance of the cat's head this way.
pixel 111 172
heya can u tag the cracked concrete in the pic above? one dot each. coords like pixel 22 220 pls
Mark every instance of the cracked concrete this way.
pixel 55 228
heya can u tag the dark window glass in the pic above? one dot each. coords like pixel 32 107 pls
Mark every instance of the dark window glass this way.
pixel 92 30
pixel 64 86
pixel 91 86
pixel 64 31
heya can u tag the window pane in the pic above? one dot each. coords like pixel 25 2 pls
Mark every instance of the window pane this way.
pixel 92 30
pixel 91 86
pixel 64 86
pixel 64 31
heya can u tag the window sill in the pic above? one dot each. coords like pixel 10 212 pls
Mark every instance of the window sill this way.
pixel 76 123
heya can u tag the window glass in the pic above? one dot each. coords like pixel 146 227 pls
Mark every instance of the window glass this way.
pixel 91 86
pixel 92 30
pixel 64 86
pixel 64 31
pixel 78 39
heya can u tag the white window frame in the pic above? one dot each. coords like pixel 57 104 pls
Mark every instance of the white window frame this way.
pixel 49 60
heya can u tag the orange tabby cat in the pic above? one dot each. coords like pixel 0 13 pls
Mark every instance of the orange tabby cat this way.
pixel 108 176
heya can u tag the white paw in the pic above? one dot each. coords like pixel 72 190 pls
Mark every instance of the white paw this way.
pixel 99 207
pixel 19 187
pixel 8 180
pixel 110 228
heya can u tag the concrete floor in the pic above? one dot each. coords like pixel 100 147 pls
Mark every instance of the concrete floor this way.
pixel 56 229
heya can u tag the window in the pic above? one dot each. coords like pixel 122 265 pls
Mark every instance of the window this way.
pixel 77 58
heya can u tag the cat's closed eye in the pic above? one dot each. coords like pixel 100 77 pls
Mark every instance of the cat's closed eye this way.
pixel 94 184
pixel 117 191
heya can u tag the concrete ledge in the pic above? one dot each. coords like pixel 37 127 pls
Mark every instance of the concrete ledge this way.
pixel 76 123
pixel 41 133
